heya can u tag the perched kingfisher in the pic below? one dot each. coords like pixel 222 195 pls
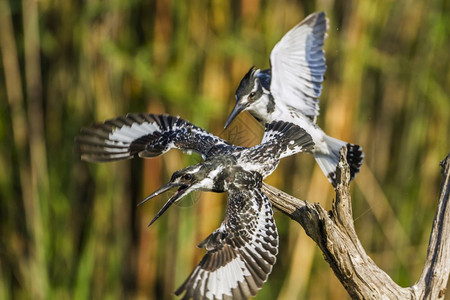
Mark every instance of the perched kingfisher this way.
pixel 240 254
pixel 290 89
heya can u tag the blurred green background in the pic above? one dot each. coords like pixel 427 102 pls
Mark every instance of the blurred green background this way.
pixel 69 229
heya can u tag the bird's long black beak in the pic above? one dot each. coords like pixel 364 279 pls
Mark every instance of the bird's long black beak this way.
pixel 180 193
pixel 238 107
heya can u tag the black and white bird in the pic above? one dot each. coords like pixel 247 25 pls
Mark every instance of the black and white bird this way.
pixel 240 254
pixel 290 89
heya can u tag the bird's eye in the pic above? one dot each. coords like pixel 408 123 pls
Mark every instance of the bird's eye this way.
pixel 187 176
pixel 252 95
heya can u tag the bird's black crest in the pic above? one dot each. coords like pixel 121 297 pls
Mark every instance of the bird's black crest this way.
pixel 247 83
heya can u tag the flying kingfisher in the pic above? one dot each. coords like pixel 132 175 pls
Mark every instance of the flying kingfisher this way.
pixel 240 254
pixel 290 89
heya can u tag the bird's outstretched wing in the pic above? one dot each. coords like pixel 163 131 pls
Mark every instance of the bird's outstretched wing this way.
pixel 144 135
pixel 285 139
pixel 240 253
pixel 281 139
pixel 298 66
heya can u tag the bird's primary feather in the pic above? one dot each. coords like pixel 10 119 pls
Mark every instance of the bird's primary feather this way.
pixel 298 65
pixel 145 135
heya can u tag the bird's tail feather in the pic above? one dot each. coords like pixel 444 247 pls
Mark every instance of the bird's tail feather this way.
pixel 329 162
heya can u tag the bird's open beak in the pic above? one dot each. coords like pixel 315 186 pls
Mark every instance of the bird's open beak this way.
pixel 238 107
pixel 180 193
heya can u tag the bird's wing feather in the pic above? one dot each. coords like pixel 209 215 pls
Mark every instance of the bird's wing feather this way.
pixel 240 253
pixel 281 139
pixel 286 138
pixel 144 135
pixel 298 65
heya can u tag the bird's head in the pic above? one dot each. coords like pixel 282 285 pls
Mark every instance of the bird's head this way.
pixel 251 92
pixel 202 176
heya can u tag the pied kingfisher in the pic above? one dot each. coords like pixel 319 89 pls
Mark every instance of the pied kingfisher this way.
pixel 289 91
pixel 240 254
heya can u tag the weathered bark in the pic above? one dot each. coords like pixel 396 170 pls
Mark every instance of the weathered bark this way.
pixel 334 233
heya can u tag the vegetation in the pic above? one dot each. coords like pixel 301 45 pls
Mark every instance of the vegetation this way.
pixel 72 230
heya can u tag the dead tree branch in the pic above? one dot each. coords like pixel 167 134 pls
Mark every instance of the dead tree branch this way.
pixel 334 233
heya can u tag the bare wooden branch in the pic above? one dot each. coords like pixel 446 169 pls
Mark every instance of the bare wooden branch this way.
pixel 433 280
pixel 334 233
